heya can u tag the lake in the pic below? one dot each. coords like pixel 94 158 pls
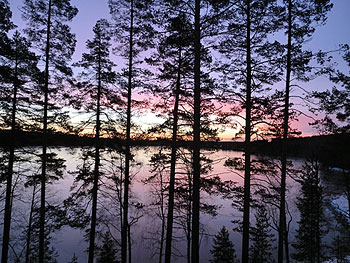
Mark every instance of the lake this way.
pixel 145 197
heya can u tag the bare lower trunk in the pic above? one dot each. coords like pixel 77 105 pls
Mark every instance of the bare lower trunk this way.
pixel 44 144
pixel 286 241
pixel 97 164
pixel 128 141
pixel 246 204
pixel 29 231
pixel 129 243
pixel 196 137
pixel 282 221
pixel 162 215
pixel 189 221
pixel 9 195
pixel 170 219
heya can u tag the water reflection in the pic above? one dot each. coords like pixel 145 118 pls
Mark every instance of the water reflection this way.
pixel 148 199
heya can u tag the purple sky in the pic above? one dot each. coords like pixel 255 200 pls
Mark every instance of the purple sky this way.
pixel 328 37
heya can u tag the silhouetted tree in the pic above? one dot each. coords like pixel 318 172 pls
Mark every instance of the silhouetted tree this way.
pixel 335 102
pixel 21 66
pixel 98 66
pixel 300 20
pixel 340 246
pixel 205 16
pixel 107 253
pixel 51 36
pixel 174 59
pixel 223 249
pixel 74 259
pixel 262 239
pixel 133 33
pixel 308 244
pixel 250 23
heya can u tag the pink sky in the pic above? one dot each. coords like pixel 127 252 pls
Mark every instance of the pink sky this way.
pixel 327 37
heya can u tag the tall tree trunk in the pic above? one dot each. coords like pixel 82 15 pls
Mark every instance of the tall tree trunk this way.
pixel 246 205
pixel 196 136
pixel 44 143
pixel 170 219
pixel 286 242
pixel 97 164
pixel 162 233
pixel 189 220
pixel 129 243
pixel 282 221
pixel 128 141
pixel 346 175
pixel 8 200
pixel 30 222
pixel 120 196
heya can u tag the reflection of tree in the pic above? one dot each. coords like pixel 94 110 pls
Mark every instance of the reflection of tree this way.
pixel 157 208
pixel 265 188
pixel 159 182
pixel 28 227
pixel 110 207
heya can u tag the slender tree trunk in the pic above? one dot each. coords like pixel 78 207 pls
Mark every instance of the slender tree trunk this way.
pixel 282 221
pixel 129 243
pixel 162 233
pixel 318 214
pixel 29 232
pixel 286 242
pixel 44 155
pixel 8 200
pixel 246 205
pixel 97 164
pixel 196 136
pixel 120 196
pixel 189 220
pixel 346 175
pixel 170 219
pixel 128 141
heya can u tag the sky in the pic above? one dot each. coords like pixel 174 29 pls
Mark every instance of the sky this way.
pixel 327 37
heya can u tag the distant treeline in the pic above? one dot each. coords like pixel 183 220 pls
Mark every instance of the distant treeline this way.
pixel 326 146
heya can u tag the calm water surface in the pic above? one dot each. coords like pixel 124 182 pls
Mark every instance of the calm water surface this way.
pixel 70 241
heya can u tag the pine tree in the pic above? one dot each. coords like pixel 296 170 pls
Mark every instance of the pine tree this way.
pixel 262 239
pixel 74 259
pixel 18 66
pixel 5 26
pixel 205 17
pixel 300 19
pixel 107 253
pixel 308 244
pixel 249 26
pixel 98 69
pixel 21 65
pixel 51 36
pixel 336 101
pixel 173 59
pixel 223 249
pixel 133 34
